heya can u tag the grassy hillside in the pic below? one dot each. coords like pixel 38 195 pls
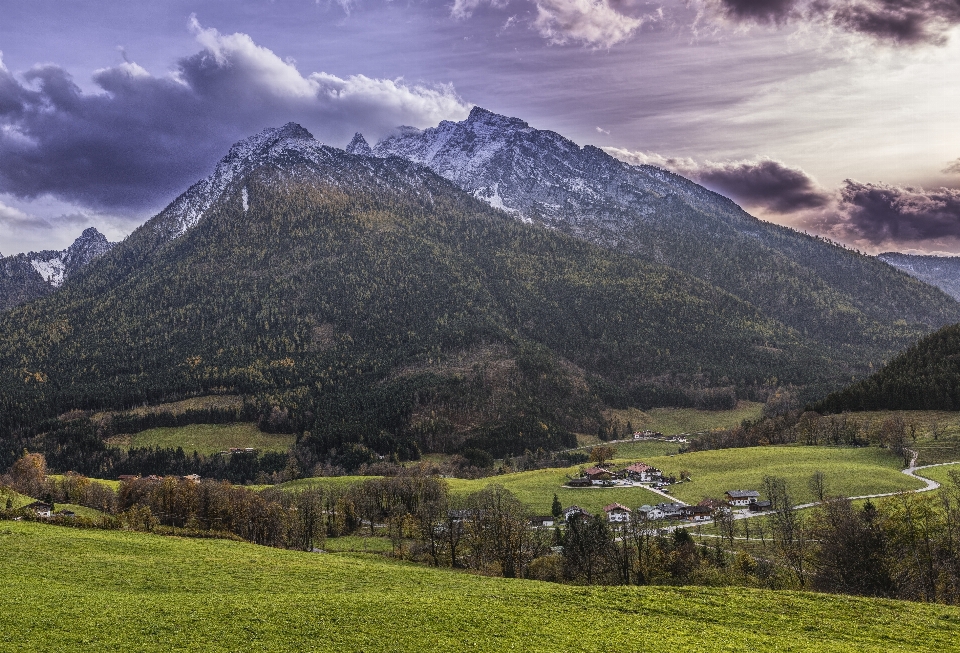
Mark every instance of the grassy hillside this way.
pixel 849 471
pixel 672 421
pixel 150 593
pixel 206 438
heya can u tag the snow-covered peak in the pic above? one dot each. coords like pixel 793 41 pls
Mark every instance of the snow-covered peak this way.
pixel 279 147
pixel 540 176
pixel 359 146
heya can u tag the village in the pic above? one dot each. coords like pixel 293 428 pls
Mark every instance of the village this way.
pixel 640 474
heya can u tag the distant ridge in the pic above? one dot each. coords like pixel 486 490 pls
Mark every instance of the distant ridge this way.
pixel 940 271
pixel 25 277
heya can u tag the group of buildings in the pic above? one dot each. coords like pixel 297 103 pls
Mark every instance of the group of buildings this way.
pixel 637 472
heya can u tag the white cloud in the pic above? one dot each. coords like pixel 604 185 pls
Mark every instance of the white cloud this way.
pixel 591 22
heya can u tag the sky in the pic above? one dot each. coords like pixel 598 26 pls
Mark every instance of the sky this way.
pixel 837 117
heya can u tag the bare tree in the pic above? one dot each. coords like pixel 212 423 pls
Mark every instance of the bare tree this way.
pixel 789 530
pixel 818 484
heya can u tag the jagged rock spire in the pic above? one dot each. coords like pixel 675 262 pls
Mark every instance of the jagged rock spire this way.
pixel 359 146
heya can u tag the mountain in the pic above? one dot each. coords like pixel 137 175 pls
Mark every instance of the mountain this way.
pixel 855 305
pixel 25 277
pixel 924 377
pixel 370 305
pixel 940 271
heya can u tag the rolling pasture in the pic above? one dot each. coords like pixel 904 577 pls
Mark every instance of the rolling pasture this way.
pixel 132 591
pixel 672 421
pixel 206 438
pixel 849 471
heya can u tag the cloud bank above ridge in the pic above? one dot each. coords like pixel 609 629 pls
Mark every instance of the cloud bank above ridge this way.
pixel 143 138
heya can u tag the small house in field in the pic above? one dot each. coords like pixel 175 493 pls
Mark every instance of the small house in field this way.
pixel 40 509
pixel 643 473
pixel 192 478
pixel 579 482
pixel 575 512
pixel 760 506
pixel 617 513
pixel 742 497
pixel 542 521
pixel 598 474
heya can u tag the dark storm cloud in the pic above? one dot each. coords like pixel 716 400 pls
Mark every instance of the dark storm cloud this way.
pixel 144 138
pixel 761 183
pixel 877 213
pixel 765 183
pixel 764 11
pixel 907 22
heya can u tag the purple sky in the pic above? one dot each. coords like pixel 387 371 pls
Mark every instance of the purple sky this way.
pixel 836 116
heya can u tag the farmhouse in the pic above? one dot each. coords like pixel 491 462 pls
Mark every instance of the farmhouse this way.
pixel 671 510
pixel 742 497
pixel 41 509
pixel 598 474
pixel 760 506
pixel 643 473
pixel 542 521
pixel 697 513
pixel 650 513
pixel 617 513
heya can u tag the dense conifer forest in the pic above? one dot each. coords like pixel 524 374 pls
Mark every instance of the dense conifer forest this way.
pixel 924 377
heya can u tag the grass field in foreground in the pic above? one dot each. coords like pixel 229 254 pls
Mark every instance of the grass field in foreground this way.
pixel 849 471
pixel 206 438
pixel 131 591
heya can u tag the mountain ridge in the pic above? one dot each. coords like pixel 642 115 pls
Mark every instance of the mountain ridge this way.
pixel 25 277
pixel 807 283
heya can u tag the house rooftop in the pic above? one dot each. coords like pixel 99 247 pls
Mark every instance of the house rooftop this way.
pixel 742 494
pixel 616 506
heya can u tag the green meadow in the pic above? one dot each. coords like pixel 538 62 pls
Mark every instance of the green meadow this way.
pixel 673 421
pixel 849 471
pixel 206 438
pixel 536 489
pixel 115 591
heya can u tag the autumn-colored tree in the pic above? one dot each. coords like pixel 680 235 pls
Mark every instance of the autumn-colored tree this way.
pixel 602 453
pixel 28 475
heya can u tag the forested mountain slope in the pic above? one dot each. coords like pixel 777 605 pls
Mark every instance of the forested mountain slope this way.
pixel 940 271
pixel 837 296
pixel 924 377
pixel 370 301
